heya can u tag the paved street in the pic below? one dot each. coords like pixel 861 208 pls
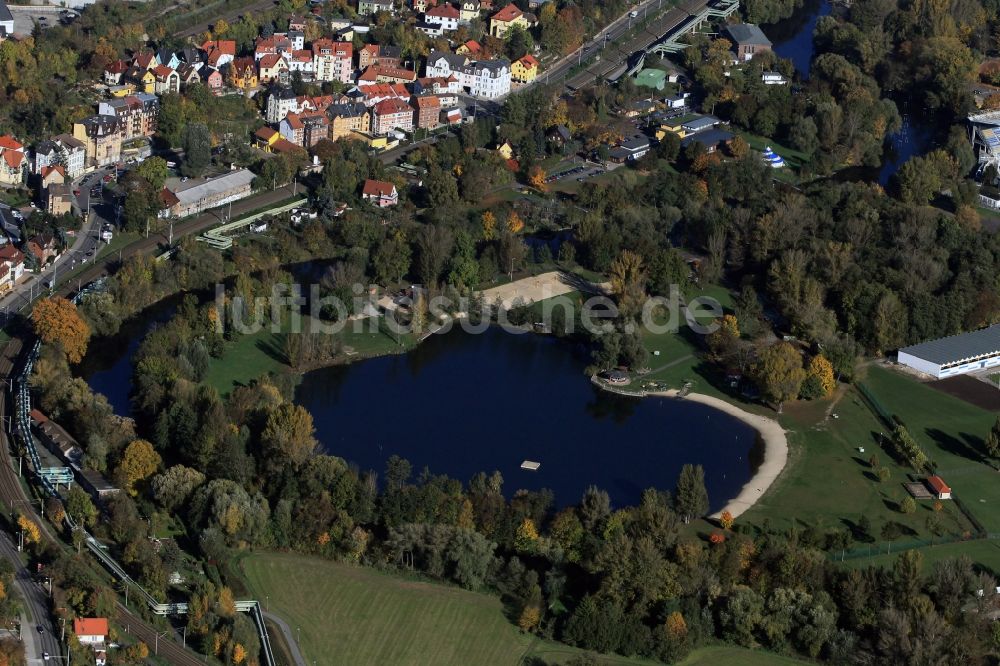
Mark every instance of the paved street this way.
pixel 36 611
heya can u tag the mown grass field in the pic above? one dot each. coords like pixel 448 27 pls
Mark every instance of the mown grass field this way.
pixel 985 553
pixel 736 656
pixel 950 431
pixel 828 482
pixel 367 617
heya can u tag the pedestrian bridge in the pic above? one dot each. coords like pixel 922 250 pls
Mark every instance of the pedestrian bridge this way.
pixel 672 42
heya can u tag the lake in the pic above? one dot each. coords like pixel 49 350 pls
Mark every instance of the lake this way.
pixel 460 404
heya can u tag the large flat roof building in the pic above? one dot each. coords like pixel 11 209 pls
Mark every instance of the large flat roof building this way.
pixel 956 354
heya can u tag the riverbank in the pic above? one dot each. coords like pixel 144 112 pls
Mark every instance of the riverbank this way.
pixel 769 430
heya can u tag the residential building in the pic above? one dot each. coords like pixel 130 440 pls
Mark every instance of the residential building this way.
pixel 213 79
pixel 101 136
pixel 167 80
pixel 63 150
pixel 370 7
pixel 90 630
pixel 168 58
pixel 201 194
pixel 378 74
pixel 305 130
pixel 677 102
pixel 59 199
pixel 43 247
pixel 507 18
pixel 298 39
pixel 429 29
pixel 296 23
pixel 485 78
pixel 389 56
pixel 12 260
pixel 445 15
pixel 471 48
pixel 367 56
pixel 391 114
pixel 219 53
pixel 243 73
pixel 505 150
pixel 955 354
pixel 143 79
pixel 301 61
pixel 378 92
pixel 188 74
pixel 114 71
pixel 274 45
pixel 711 139
pixel 272 67
pixel 13 162
pixel 333 61
pixel 428 111
pixel 137 113
pixel 524 69
pixel 265 138
pixel 631 149
pixel 346 119
pixel 438 85
pixel 469 11
pixel 938 487
pixel 145 60
pixel 290 128
pixel 421 6
pixel 52 175
pixel 380 193
pixel 748 40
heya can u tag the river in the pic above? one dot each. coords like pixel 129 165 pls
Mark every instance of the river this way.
pixel 792 38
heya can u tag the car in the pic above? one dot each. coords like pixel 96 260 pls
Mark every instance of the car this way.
pixel 40 629
pixel 90 253
pixel 45 656
pixel 634 13
pixel 77 191
pixel 108 178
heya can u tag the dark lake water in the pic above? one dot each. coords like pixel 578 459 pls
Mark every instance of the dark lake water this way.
pixel 792 38
pixel 460 404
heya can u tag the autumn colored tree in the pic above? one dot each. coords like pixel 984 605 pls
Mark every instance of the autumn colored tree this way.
pixel 32 534
pixel 57 322
pixel 526 538
pixel 288 434
pixel 628 281
pixel 226 606
pixel 779 372
pixel 530 616
pixel 536 178
pixel 239 654
pixel 726 520
pixel 489 222
pixel 514 222
pixel 722 341
pixel 738 147
pixel 717 537
pixel 819 382
pixel 139 461
pixel 675 626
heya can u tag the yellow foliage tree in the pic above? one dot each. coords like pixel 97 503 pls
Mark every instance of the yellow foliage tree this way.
pixel 514 222
pixel 221 27
pixel 536 178
pixel 628 281
pixel 527 535
pixel 140 461
pixel 726 520
pixel 31 532
pixel 227 604
pixel 489 225
pixel 738 147
pixel 821 368
pixel 529 618
pixel 239 654
pixel 57 322
pixel 675 627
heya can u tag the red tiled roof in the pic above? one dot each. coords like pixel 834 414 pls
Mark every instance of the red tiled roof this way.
pixel 46 170
pixel 226 46
pixel 444 11
pixel 162 71
pixel 293 121
pixel 285 146
pixel 378 188
pixel 938 485
pixel 508 13
pixel 391 106
pixel 7 142
pixel 167 200
pixel 427 102
pixel 90 626
pixel 473 46
pixel 270 60
pixel 13 158
pixel 265 133
pixel 529 60
pixel 10 253
pixel 117 67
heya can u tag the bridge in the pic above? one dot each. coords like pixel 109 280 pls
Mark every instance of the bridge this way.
pixel 219 237
pixel 663 35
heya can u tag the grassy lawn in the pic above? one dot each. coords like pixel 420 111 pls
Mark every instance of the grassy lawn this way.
pixel 793 158
pixel 986 553
pixel 735 656
pixel 246 358
pixel 828 483
pixel 950 431
pixel 368 617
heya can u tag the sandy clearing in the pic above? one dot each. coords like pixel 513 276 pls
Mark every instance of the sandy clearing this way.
pixel 541 287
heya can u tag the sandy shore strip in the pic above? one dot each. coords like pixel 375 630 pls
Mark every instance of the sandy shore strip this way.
pixel 771 432
pixel 541 287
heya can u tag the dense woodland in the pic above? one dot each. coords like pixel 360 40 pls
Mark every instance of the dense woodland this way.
pixel 844 265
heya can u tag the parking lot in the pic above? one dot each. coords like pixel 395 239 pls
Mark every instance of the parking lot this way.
pixel 580 172
pixel 26 16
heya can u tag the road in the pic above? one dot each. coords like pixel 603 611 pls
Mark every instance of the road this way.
pixel 289 638
pixel 36 608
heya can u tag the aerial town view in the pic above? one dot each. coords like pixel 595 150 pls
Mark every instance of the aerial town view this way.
pixel 500 332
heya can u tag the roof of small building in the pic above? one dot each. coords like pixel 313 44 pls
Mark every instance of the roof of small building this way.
pixel 391 105
pixel 90 626
pixel 955 348
pixel 509 13
pixel 708 138
pixel 700 123
pixel 528 60
pixel 7 142
pixel 378 188
pixel 270 60
pixel 196 191
pixel 938 484
pixel 747 33
pixel 444 10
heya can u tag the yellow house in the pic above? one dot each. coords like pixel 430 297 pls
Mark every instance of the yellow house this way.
pixel 243 73
pixel 122 90
pixel 505 150
pixel 148 81
pixel 507 18
pixel 672 126
pixel 525 69
pixel 265 138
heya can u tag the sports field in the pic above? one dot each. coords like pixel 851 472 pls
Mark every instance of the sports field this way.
pixel 366 617
pixel 985 553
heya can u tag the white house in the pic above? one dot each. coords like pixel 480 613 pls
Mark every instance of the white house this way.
pixel 489 79
pixel 956 354
pixel 445 15
pixel 773 79
pixel 91 630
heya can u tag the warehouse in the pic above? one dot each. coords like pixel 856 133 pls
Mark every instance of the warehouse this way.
pixel 956 354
